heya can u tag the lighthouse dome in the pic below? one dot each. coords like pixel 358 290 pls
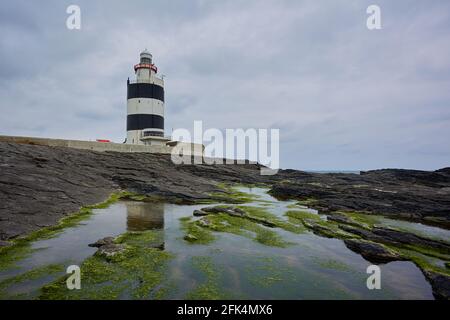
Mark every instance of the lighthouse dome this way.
pixel 147 56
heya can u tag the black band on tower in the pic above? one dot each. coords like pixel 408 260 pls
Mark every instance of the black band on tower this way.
pixel 144 121
pixel 145 90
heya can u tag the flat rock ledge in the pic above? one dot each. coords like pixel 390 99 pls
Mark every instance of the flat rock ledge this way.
pixel 371 251
pixel 440 284
pixel 396 237
pixel 39 185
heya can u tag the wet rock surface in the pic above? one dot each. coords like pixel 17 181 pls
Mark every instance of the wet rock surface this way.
pixel 39 185
pixel 371 251
pixel 409 194
pixel 107 248
pixel 409 238
pixel 102 242
pixel 440 284
pixel 396 237
pixel 230 210
pixel 234 212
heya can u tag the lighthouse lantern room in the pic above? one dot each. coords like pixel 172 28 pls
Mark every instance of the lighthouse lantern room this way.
pixel 145 104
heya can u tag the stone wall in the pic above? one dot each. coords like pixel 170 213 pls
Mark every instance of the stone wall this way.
pixel 87 145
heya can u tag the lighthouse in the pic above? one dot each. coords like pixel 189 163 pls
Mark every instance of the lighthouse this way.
pixel 145 104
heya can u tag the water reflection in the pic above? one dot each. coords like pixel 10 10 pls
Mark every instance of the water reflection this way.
pixel 143 216
pixel 312 267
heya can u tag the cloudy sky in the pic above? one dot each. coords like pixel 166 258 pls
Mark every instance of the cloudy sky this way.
pixel 342 96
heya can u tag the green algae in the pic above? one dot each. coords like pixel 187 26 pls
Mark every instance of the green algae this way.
pixel 422 261
pixel 9 256
pixel 333 264
pixel 231 194
pixel 265 215
pixel 301 215
pixel 296 206
pixel 315 223
pixel 138 273
pixel 30 275
pixel 195 233
pixel 106 282
pixel 367 222
pixel 210 288
pixel 267 271
pixel 234 225
pixel 270 238
pixel 360 219
pixel 21 247
pixel 308 202
pixel 253 226
pixel 424 257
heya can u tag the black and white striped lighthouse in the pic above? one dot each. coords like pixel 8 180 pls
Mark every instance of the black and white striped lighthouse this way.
pixel 145 104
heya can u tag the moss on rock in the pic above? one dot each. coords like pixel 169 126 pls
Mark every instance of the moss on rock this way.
pixel 30 275
pixel 138 273
pixel 252 223
pixel 21 247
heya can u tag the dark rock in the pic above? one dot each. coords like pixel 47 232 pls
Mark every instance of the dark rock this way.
pixel 102 242
pixel 230 210
pixel 31 196
pixel 69 179
pixel 262 221
pixel 107 248
pixel 235 212
pixel 409 238
pixel 372 252
pixel 396 237
pixel 406 194
pixel 440 284
pixel 4 244
pixel 344 220
pixel 366 234
pixel 199 213
pixel 319 229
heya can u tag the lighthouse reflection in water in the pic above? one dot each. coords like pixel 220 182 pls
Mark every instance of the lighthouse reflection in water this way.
pixel 143 216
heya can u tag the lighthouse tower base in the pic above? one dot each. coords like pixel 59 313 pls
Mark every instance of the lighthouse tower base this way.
pixel 141 138
pixel 167 148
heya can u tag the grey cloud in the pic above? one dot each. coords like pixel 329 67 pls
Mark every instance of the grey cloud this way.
pixel 342 96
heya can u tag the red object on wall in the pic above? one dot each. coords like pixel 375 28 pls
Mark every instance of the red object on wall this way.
pixel 102 140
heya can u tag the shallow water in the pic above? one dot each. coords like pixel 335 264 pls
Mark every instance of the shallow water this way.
pixel 416 228
pixel 312 267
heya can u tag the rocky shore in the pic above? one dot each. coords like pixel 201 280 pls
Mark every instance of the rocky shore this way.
pixel 39 185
